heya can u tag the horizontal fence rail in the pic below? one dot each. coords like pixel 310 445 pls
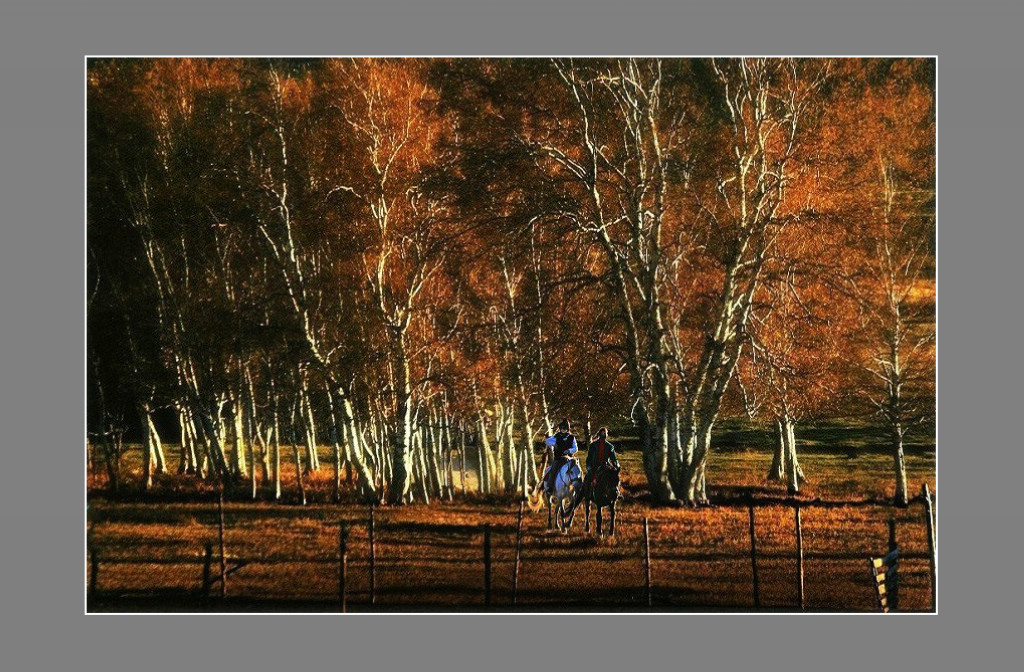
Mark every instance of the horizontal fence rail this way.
pixel 767 556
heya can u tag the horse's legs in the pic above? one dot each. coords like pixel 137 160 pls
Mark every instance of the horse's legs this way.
pixel 611 518
pixel 599 521
pixel 586 511
pixel 549 514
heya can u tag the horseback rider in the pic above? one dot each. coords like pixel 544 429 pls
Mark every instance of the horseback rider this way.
pixel 563 446
pixel 599 452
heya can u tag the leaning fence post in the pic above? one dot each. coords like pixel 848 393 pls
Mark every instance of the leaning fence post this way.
pixel 487 564
pixel 799 556
pixel 930 521
pixel 647 562
pixel 373 561
pixel 753 556
pixel 343 565
pixel 223 560
pixel 519 546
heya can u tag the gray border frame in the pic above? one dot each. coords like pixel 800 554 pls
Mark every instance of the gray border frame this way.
pixel 43 44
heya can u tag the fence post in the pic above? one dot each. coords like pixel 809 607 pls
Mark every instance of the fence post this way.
pixel 343 566
pixel 373 562
pixel 223 560
pixel 487 564
pixel 930 521
pixel 893 586
pixel 519 546
pixel 753 555
pixel 647 562
pixel 799 556
pixel 94 565
pixel 207 568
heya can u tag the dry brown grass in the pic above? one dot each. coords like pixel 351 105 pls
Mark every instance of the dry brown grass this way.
pixel 430 557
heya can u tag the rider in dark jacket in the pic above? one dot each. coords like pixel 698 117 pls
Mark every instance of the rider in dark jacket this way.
pixel 599 451
pixel 563 446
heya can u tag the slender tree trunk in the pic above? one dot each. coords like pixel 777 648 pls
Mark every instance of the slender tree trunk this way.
pixel 483 458
pixel 252 463
pixel 238 462
pixel 308 426
pixel 251 426
pixel 899 466
pixel 505 446
pixel 343 417
pixel 112 458
pixel 146 482
pixel 336 448
pixel 778 469
pixel 796 472
pixel 187 461
pixel 792 468
pixel 401 462
pixel 214 446
pixel 424 472
pixel 433 459
pixel 275 403
pixel 462 457
pixel 160 460
pixel 700 440
pixel 527 452
pixel 293 436
pixel 265 454
pixel 449 454
pixel 675 451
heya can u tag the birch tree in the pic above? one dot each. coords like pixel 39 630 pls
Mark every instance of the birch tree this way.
pixel 890 202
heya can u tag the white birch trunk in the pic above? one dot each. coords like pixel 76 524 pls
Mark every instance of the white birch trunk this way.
pixel 146 482
pixel 238 463
pixel 308 425
pixel 276 452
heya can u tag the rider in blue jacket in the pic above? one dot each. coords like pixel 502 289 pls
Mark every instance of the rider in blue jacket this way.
pixel 563 446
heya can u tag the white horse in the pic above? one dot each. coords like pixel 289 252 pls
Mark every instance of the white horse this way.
pixel 562 502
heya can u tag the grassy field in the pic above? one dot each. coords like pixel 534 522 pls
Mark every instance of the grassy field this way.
pixel 430 558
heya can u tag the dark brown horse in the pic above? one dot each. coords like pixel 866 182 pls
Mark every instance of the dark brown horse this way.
pixel 604 493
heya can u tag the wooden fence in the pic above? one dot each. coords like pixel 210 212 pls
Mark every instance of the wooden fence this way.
pixel 649 592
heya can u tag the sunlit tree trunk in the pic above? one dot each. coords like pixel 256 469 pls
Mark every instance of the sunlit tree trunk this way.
pixel 336 454
pixel 189 461
pixel 293 440
pixel 239 439
pixel 401 458
pixel 276 445
pixel 448 444
pixel 146 482
pixel 308 425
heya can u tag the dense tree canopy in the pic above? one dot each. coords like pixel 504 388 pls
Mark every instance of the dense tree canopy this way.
pixel 393 254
